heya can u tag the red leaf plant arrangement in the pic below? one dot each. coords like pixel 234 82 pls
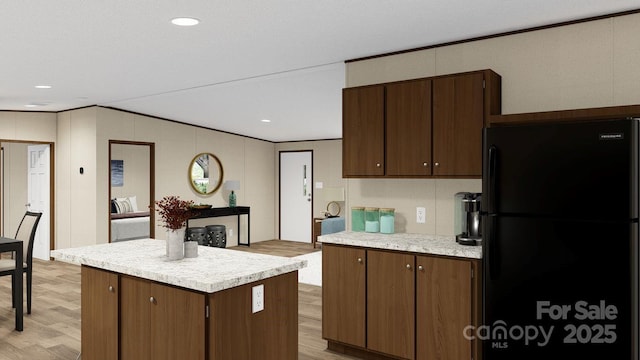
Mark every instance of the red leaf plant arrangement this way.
pixel 174 212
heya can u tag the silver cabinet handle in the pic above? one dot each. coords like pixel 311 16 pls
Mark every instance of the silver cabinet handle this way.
pixel 420 268
pixel 152 300
pixel 409 266
pixel 111 288
pixel 378 165
pixel 437 164
pixel 360 260
pixel 425 164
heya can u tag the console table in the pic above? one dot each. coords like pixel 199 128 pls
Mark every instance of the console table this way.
pixel 227 211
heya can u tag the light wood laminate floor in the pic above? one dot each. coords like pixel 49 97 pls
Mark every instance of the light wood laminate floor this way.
pixel 52 331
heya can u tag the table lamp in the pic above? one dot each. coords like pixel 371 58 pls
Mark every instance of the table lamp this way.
pixel 232 185
pixel 333 195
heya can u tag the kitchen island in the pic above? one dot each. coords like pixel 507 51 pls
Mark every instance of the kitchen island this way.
pixel 223 304
pixel 400 296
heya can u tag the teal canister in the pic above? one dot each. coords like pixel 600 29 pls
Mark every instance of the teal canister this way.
pixel 387 220
pixel 372 219
pixel 357 218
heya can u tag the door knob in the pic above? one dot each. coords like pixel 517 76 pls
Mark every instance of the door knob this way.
pixel 420 267
pixel 437 164
pixel 360 260
pixel 377 164
pixel 152 300
pixel 111 289
pixel 425 164
pixel 409 266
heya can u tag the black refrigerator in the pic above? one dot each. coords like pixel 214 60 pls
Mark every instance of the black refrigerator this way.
pixel 560 241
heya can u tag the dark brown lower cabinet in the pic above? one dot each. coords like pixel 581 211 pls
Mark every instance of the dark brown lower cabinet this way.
pixel 99 314
pixel 443 308
pixel 417 306
pixel 391 303
pixel 160 322
pixel 343 294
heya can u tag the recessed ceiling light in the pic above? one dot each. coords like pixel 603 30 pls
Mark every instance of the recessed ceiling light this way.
pixel 31 105
pixel 43 86
pixel 185 21
pixel 265 120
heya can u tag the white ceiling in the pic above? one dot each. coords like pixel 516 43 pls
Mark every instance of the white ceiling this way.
pixel 247 60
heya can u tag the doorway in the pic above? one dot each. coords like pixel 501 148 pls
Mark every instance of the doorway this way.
pixel 26 184
pixel 38 180
pixel 131 183
pixel 296 195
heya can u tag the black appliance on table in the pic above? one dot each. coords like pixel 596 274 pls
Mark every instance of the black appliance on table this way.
pixel 560 241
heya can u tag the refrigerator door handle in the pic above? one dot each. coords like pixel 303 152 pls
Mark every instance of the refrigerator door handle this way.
pixel 492 255
pixel 493 154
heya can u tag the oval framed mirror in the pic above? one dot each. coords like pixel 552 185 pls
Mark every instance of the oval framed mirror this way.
pixel 205 173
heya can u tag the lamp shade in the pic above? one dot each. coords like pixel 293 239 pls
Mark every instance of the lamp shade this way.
pixel 232 185
pixel 333 194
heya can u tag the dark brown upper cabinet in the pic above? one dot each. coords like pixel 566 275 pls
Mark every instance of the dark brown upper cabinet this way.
pixel 430 127
pixel 363 125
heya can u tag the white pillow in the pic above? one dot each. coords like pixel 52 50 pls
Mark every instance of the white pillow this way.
pixel 123 206
pixel 134 203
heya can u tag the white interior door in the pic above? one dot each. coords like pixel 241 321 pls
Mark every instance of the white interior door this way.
pixel 296 196
pixel 38 158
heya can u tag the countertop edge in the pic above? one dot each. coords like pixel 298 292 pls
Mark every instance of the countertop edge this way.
pixel 190 284
pixel 406 242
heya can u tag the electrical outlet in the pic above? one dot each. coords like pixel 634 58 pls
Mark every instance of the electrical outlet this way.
pixel 421 215
pixel 257 298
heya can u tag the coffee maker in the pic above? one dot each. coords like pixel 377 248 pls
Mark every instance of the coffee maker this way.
pixel 467 218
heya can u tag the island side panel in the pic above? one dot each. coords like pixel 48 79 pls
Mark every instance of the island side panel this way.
pixel 235 332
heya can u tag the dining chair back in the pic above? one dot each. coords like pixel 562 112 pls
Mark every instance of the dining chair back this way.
pixel 27 233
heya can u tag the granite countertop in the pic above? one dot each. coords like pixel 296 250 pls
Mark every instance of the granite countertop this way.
pixel 214 269
pixel 416 243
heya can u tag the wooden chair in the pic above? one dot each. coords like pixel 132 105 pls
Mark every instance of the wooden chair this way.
pixel 27 233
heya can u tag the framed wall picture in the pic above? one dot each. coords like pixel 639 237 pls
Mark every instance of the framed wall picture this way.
pixel 117 172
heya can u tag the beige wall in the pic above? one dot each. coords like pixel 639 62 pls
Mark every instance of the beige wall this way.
pixel 244 159
pixel 583 65
pixel 14 186
pixel 82 137
pixel 27 127
pixel 76 194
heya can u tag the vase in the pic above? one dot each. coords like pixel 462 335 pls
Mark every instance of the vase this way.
pixel 232 199
pixel 190 249
pixel 175 244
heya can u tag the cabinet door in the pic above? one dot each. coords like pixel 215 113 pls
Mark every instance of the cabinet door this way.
pixel 135 323
pixel 99 314
pixel 391 303
pixel 363 131
pixel 443 309
pixel 408 128
pixel 177 323
pixel 343 294
pixel 458 118
pixel 160 322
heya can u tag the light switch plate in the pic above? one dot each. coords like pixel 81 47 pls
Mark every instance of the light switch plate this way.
pixel 421 215
pixel 257 298
pixel 319 185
